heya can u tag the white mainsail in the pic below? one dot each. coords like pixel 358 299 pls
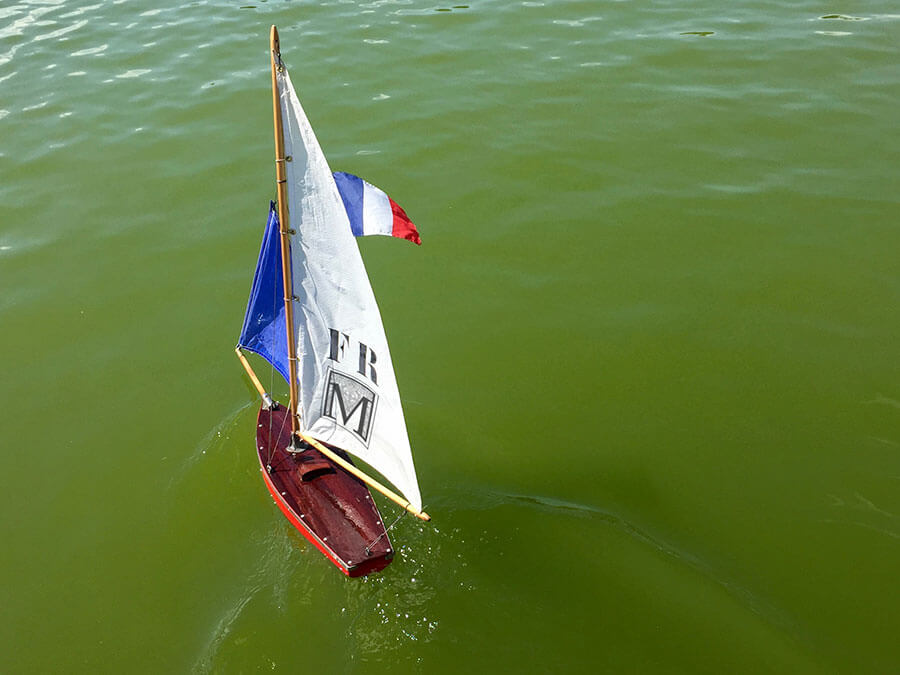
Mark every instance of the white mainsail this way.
pixel 348 392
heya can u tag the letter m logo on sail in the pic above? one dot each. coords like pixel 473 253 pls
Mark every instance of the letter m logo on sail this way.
pixel 350 403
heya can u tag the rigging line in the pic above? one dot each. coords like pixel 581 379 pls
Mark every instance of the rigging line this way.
pixel 273 446
pixel 272 376
pixel 271 452
pixel 384 534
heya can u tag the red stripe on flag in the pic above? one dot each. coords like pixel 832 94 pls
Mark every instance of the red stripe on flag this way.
pixel 403 227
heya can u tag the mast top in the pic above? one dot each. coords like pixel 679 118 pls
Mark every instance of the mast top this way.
pixel 275 45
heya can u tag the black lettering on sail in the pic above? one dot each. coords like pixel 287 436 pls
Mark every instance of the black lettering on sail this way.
pixel 350 403
pixel 363 350
pixel 338 342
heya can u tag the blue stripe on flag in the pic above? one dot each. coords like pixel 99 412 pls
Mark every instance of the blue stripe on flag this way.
pixel 351 189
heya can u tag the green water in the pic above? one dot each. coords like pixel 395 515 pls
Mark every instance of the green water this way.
pixel 648 350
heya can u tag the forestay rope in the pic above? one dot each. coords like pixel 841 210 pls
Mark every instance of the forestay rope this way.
pixel 386 530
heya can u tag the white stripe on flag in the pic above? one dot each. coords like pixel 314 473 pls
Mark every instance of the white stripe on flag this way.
pixel 378 218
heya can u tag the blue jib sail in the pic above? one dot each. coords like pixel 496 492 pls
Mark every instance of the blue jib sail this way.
pixel 264 323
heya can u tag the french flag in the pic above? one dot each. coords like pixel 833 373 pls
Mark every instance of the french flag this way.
pixel 371 211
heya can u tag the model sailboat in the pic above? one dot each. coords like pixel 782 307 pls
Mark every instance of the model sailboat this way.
pixel 312 315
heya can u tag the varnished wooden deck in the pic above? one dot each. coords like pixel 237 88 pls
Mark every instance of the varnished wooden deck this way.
pixel 331 508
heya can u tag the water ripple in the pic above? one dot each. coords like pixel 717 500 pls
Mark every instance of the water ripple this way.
pixel 90 51
pixel 742 594
pixel 65 30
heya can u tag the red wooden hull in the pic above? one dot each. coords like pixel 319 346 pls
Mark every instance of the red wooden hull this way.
pixel 328 506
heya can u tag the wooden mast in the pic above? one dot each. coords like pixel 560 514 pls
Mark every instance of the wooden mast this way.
pixel 283 219
pixel 281 181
